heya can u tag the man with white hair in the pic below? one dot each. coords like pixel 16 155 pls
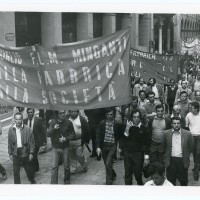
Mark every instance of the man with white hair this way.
pixel 176 113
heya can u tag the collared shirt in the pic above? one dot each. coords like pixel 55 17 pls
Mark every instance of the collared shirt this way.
pixel 126 133
pixel 173 115
pixel 155 90
pixel 172 87
pixel 32 122
pixel 151 183
pixel 150 108
pixel 193 122
pixel 77 126
pixel 142 103
pixel 138 125
pixel 109 132
pixel 176 144
pixel 18 134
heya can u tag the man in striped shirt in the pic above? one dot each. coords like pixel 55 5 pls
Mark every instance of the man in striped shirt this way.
pixel 107 135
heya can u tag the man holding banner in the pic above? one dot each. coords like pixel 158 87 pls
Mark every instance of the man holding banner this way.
pixel 83 75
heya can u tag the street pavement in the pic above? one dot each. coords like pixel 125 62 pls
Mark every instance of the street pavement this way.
pixel 94 176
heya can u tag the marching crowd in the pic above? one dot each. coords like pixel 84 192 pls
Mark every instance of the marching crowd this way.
pixel 155 135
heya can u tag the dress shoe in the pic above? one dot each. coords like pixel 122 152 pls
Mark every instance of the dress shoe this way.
pixel 33 182
pixel 196 176
pixel 114 175
pixel 67 182
pixel 93 155
pixel 85 169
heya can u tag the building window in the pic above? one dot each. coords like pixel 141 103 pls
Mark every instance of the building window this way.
pixel 97 25
pixel 141 30
pixel 27 28
pixel 69 27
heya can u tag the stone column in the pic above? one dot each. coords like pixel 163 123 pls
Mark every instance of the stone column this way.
pixel 160 35
pixel 84 26
pixel 168 38
pixel 109 23
pixel 134 31
pixel 7 29
pixel 51 28
pixel 177 33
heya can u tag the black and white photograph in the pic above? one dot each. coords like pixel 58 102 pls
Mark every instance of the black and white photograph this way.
pixel 109 99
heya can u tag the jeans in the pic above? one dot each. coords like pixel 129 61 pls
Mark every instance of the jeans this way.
pixel 133 163
pixel 108 152
pixel 196 155
pixel 56 155
pixel 76 151
pixel 17 162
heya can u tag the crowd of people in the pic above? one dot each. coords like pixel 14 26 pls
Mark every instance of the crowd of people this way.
pixel 154 135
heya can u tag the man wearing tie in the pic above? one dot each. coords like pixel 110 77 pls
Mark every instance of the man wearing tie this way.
pixel 39 133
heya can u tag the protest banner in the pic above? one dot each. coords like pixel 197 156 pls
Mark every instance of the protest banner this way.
pixel 147 65
pixel 191 46
pixel 82 75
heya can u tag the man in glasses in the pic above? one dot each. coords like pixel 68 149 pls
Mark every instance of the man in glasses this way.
pixel 61 131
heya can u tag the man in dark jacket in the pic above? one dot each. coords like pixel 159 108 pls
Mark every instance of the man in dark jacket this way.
pixel 95 116
pixel 135 143
pixel 82 133
pixel 178 145
pixel 107 135
pixel 61 131
pixel 170 94
pixel 39 133
pixel 156 128
pixel 2 169
pixel 21 148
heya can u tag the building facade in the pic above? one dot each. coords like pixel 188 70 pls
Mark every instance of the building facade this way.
pixel 149 32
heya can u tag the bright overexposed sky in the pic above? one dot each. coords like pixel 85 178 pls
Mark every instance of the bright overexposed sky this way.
pixel 131 6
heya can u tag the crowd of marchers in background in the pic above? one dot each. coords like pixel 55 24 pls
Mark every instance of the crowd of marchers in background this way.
pixel 155 135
